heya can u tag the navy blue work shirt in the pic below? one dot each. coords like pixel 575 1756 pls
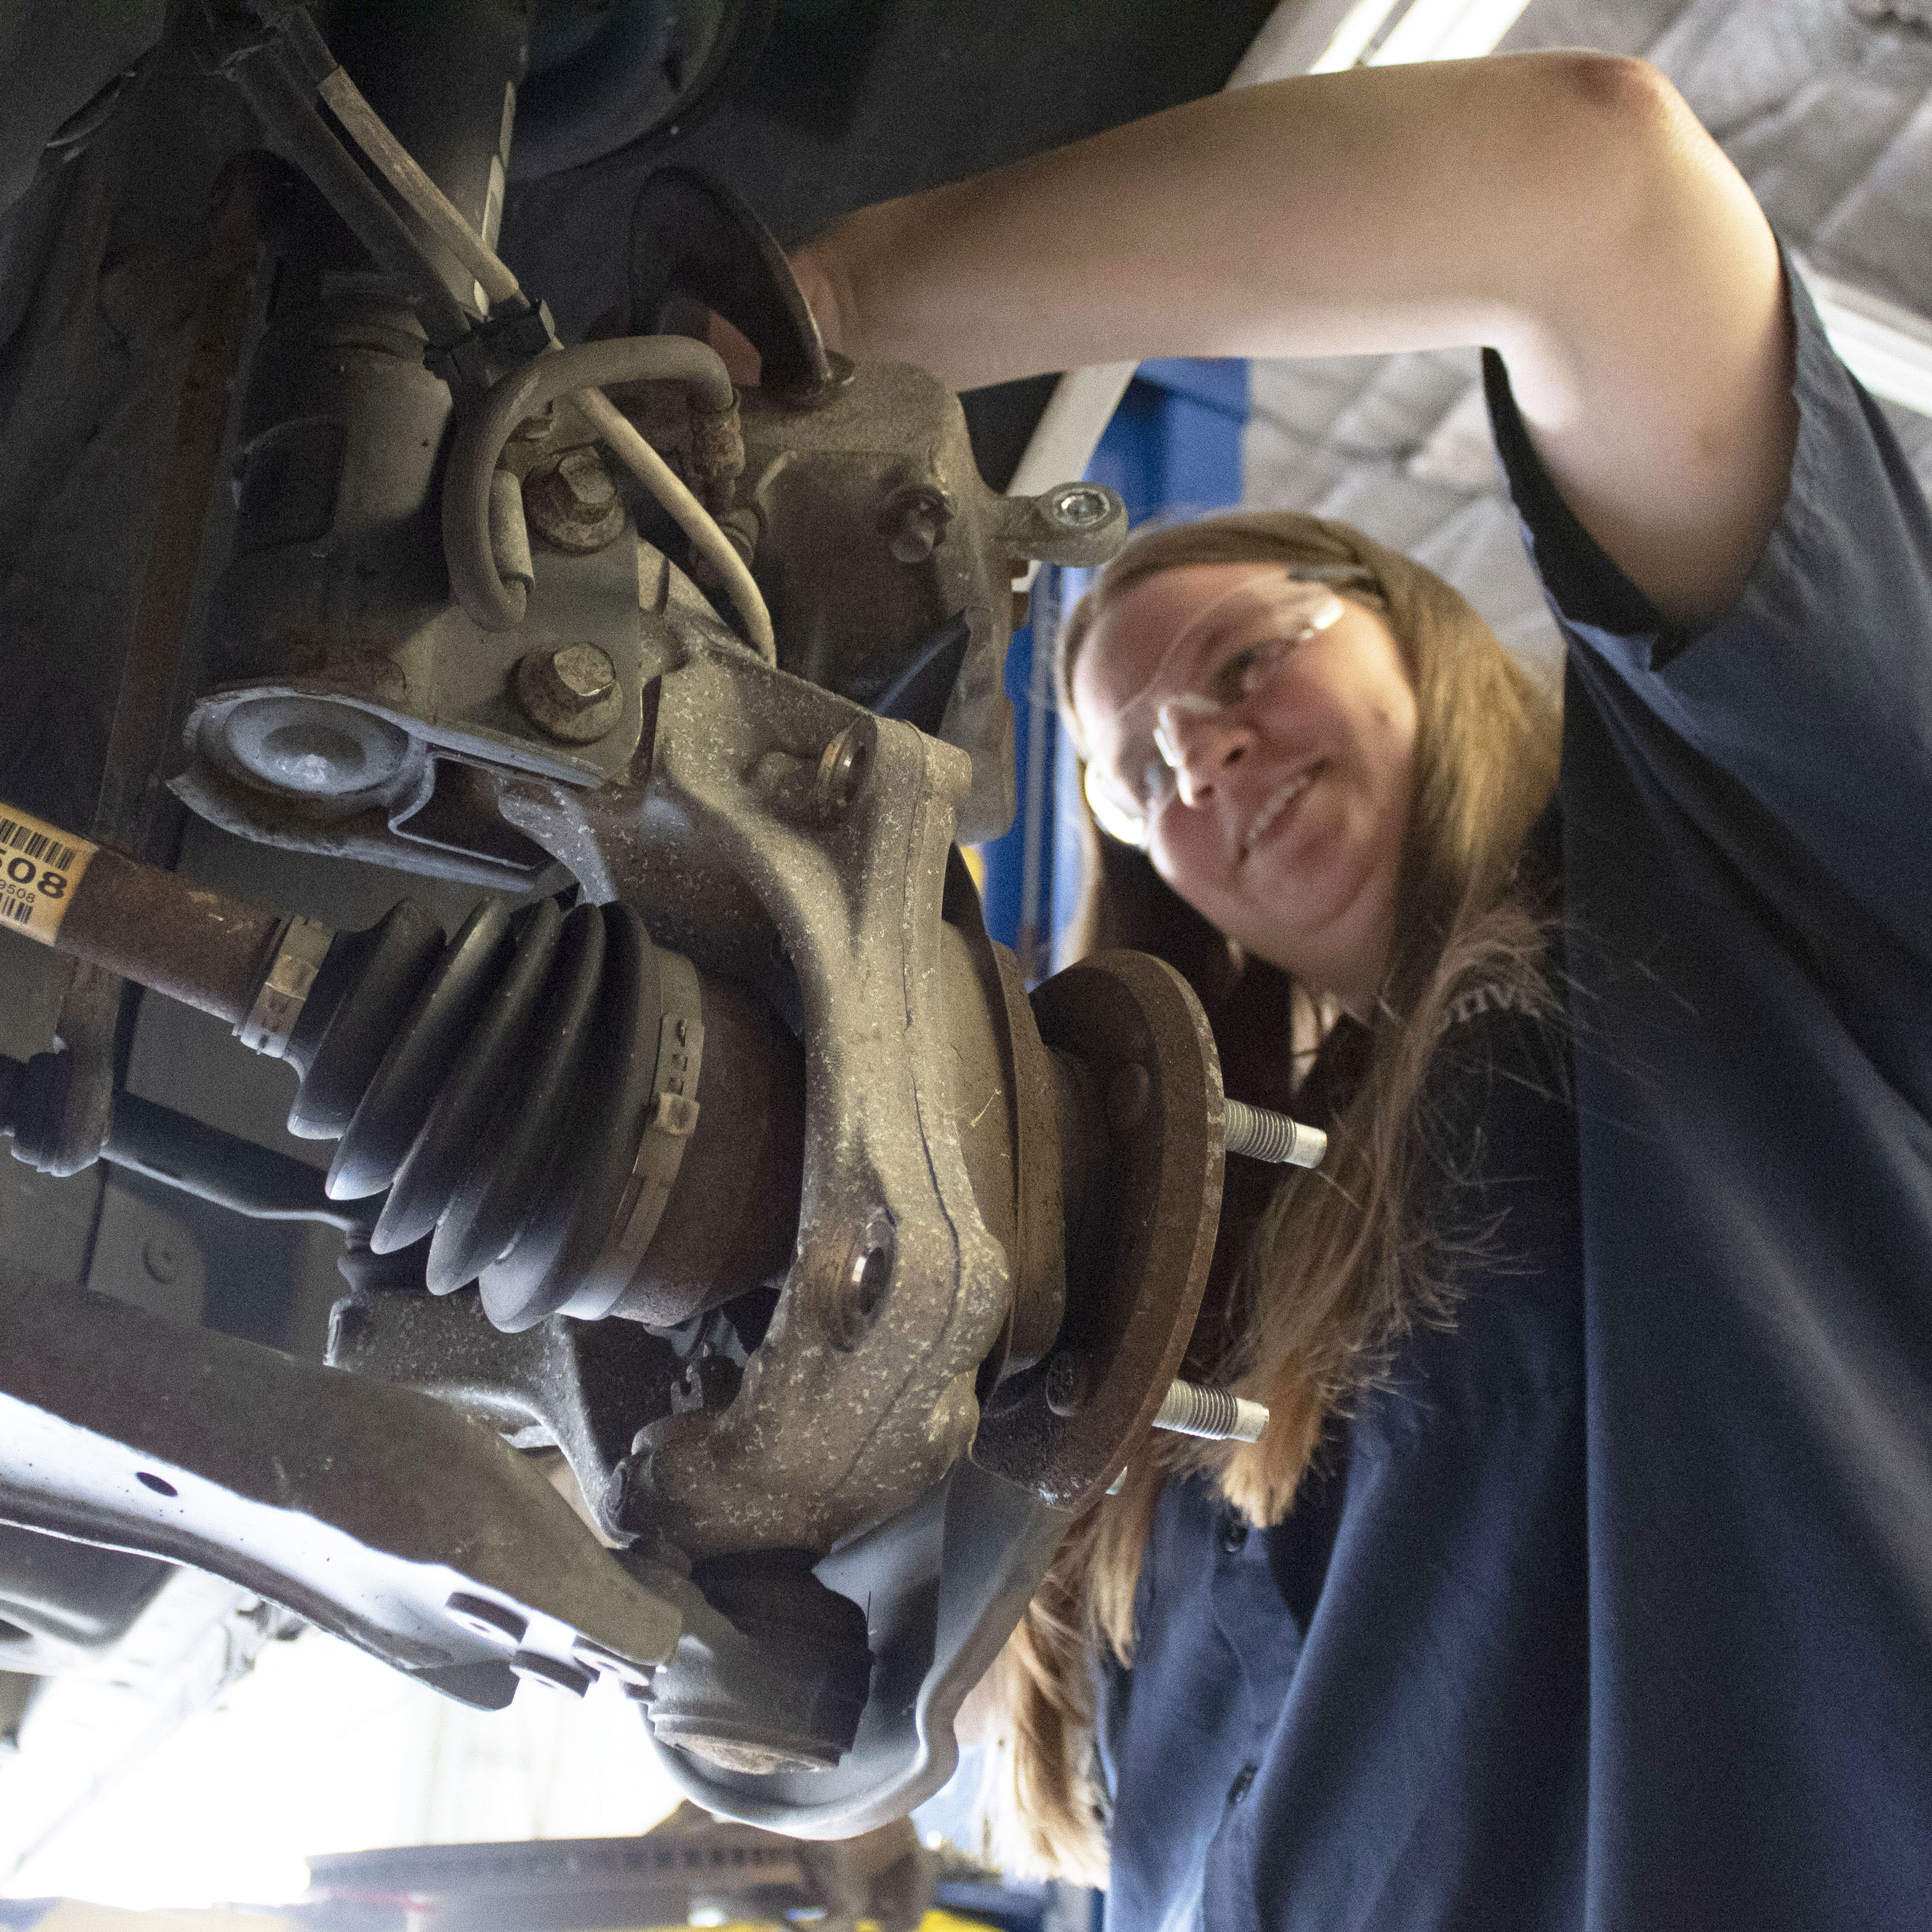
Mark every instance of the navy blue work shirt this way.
pixel 1613 1609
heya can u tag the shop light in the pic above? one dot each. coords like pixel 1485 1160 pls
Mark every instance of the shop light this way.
pixel 1428 30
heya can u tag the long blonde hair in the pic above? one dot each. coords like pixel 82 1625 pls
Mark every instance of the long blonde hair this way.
pixel 1343 1260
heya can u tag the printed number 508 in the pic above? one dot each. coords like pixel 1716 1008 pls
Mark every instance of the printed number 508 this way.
pixel 22 872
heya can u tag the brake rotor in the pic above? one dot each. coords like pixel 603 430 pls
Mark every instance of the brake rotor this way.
pixel 1128 1028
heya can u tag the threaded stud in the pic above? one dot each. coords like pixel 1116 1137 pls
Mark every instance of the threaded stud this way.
pixel 1263 1134
pixel 1213 1414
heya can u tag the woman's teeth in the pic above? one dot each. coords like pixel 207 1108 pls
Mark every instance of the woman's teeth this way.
pixel 1278 801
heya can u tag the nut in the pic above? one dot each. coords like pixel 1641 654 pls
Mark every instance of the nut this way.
pixel 571 694
pixel 573 505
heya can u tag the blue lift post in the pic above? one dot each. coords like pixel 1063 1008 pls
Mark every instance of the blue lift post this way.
pixel 1173 450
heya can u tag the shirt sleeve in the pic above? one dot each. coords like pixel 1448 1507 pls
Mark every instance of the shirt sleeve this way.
pixel 1808 703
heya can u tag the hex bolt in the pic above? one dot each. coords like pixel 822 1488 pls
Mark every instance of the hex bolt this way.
pixel 585 675
pixel 573 504
pixel 571 694
pixel 1213 1414
pixel 1080 506
pixel 1263 1134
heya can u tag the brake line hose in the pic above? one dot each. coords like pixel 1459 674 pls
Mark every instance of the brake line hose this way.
pixel 478 585
pixel 582 372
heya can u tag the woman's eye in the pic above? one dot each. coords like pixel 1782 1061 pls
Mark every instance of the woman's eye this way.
pixel 1250 668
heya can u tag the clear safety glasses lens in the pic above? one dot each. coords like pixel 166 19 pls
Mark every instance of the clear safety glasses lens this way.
pixel 1234 651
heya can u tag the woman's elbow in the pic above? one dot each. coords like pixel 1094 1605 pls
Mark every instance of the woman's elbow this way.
pixel 1616 96
pixel 1629 160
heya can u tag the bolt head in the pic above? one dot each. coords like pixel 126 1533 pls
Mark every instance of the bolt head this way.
pixel 1080 506
pixel 587 483
pixel 572 694
pixel 584 673
pixel 573 505
pixel 913 520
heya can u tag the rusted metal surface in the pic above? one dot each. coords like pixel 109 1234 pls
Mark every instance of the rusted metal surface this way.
pixel 1141 1240
pixel 205 948
pixel 67 1096
pixel 572 503
pixel 584 1387
pixel 875 530
pixel 893 1166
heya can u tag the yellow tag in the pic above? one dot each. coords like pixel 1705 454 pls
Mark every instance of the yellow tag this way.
pixel 40 866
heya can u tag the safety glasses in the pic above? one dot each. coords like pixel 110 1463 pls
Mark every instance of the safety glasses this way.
pixel 1226 656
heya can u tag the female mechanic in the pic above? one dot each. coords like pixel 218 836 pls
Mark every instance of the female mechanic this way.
pixel 1584 1576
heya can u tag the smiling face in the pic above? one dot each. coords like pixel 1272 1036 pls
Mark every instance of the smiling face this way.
pixel 1285 827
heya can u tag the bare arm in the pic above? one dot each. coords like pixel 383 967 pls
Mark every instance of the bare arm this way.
pixel 1564 208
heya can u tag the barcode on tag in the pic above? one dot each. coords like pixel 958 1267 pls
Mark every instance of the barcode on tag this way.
pixel 36 844
pixel 40 867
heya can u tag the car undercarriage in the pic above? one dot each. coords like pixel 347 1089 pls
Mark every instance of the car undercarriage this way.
pixel 677 1245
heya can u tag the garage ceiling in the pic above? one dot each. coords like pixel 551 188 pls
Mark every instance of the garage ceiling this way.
pixel 1826 107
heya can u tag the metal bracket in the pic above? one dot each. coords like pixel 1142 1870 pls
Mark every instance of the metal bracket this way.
pixel 862 1393
pixel 377 1513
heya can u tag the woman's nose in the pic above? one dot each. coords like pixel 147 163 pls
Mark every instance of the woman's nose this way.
pixel 1205 743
